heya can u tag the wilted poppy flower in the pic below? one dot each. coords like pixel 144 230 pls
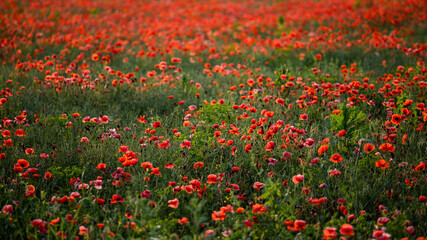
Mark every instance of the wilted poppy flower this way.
pixel 173 203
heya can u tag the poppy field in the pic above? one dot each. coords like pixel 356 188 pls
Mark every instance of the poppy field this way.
pixel 212 119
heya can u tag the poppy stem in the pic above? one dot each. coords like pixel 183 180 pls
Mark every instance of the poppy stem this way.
pixel 326 181
pixel 354 173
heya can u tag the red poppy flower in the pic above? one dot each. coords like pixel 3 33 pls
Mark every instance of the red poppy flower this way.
pixel 322 149
pixel 6 133
pixel 7 209
pixel 155 171
pixel 212 178
pixel 297 178
pixel 20 133
pixel 169 165
pixel 336 158
pixel 117 198
pixel 420 167
pixel 347 229
pixel 341 133
pixel 387 147
pixel 270 146
pixel 23 163
pixel 183 220
pixel 396 119
pixel 8 142
pixel 100 201
pixel 383 164
pixel 218 216
pixel 101 166
pixel 297 225
pixel 173 203
pixel 258 185
pixel 17 168
pixel 329 233
pixel 123 149
pixel 368 147
pixel 29 151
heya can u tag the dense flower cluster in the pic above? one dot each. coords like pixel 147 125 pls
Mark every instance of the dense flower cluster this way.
pixel 213 119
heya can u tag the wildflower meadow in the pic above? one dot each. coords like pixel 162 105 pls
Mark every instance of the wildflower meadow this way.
pixel 191 119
